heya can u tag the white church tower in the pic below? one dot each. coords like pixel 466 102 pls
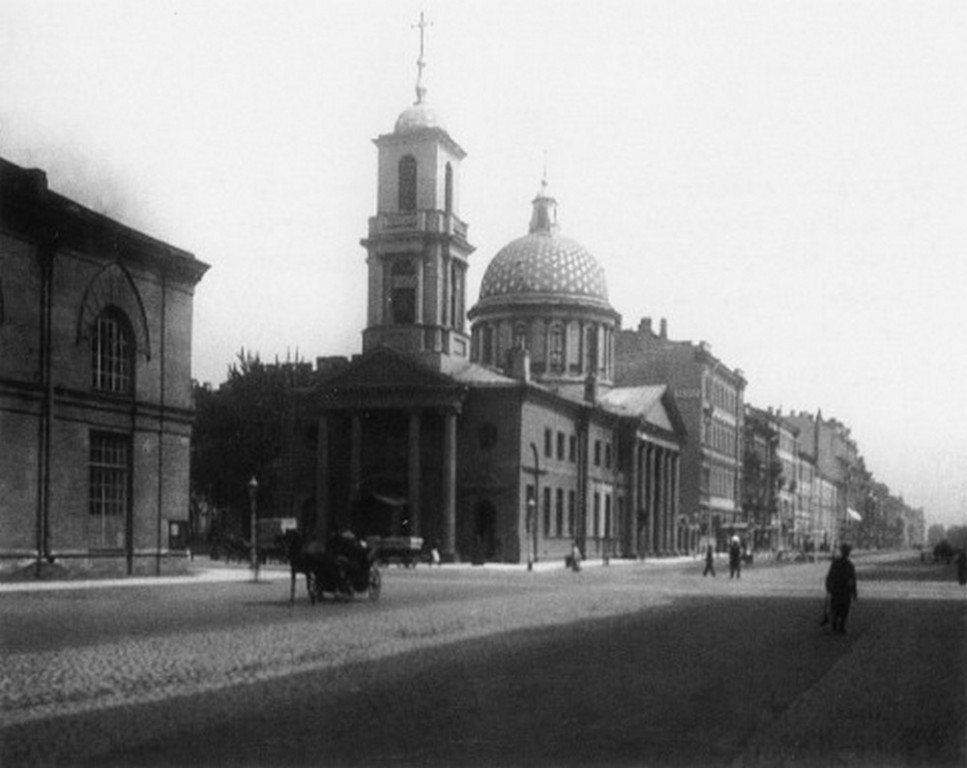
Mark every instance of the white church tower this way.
pixel 417 244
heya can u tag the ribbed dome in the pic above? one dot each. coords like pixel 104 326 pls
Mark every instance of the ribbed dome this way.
pixel 544 263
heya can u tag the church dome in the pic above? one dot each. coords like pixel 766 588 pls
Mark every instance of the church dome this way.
pixel 416 118
pixel 544 264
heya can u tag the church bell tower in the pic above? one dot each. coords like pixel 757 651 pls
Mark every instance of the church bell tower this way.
pixel 417 244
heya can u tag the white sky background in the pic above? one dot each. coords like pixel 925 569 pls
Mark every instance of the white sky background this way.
pixel 786 180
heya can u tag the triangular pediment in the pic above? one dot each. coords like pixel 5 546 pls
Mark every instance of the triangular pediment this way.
pixel 384 377
pixel 652 405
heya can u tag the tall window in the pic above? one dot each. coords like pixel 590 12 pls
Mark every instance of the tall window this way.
pixel 407 183
pixel 487 351
pixel 112 353
pixel 557 349
pixel 547 511
pixel 571 507
pixel 110 468
pixel 456 295
pixel 607 515
pixel 403 292
pixel 559 512
pixel 591 349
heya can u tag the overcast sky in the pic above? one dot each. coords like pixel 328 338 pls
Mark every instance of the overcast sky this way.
pixel 785 180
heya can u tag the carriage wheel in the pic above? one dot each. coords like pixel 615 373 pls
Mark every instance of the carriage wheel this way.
pixel 317 588
pixel 375 583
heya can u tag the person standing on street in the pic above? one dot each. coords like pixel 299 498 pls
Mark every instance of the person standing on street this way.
pixel 841 588
pixel 709 562
pixel 735 559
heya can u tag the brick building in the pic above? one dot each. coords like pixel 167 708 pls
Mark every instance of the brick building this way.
pixel 710 396
pixel 95 382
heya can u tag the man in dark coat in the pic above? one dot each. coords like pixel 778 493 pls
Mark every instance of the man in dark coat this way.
pixel 735 558
pixel 841 588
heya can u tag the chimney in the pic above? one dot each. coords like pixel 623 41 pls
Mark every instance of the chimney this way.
pixel 644 325
pixel 36 181
pixel 591 388
pixel 664 329
pixel 520 364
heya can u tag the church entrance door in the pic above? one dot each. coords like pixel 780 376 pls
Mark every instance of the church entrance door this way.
pixel 485 543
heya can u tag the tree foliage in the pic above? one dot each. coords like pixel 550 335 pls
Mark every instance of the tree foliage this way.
pixel 239 433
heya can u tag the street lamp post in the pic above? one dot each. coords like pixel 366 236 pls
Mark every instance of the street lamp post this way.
pixel 253 488
pixel 531 519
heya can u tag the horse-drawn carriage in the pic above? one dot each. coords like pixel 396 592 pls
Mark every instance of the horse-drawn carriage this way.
pixel 344 567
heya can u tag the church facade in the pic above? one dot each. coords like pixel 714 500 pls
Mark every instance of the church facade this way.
pixel 504 440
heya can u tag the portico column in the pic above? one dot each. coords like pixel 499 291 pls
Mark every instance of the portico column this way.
pixel 676 495
pixel 669 520
pixel 450 485
pixel 635 496
pixel 355 464
pixel 662 503
pixel 323 511
pixel 413 474
pixel 652 502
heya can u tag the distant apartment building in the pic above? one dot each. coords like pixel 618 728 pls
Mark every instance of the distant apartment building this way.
pixel 841 479
pixel 709 395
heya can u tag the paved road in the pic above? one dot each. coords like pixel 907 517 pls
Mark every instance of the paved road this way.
pixel 644 664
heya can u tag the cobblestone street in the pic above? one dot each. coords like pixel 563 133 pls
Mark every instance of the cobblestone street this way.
pixel 671 667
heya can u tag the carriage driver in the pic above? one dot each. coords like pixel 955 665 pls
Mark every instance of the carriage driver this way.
pixel 349 553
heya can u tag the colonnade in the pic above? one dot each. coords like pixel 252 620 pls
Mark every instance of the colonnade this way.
pixel 655 484
pixel 325 502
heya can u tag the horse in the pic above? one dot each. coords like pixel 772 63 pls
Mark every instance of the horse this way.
pixel 305 558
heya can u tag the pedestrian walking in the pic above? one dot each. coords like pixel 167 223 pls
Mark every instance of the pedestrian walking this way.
pixel 709 562
pixel 962 567
pixel 841 588
pixel 735 559
pixel 575 561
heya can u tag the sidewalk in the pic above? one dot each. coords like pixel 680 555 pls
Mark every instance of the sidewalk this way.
pixel 203 570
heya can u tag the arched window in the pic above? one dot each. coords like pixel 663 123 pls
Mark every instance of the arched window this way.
pixel 487 346
pixel 591 349
pixel 448 190
pixel 403 292
pixel 112 353
pixel 520 336
pixel 456 295
pixel 407 183
pixel 556 356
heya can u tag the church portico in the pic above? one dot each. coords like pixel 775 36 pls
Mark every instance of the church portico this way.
pixel 386 469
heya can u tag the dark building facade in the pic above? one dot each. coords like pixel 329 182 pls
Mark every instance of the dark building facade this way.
pixel 95 382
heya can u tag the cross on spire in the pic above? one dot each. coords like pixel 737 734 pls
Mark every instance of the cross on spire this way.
pixel 422 24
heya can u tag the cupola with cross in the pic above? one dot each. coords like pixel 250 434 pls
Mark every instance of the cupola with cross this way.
pixel 417 244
